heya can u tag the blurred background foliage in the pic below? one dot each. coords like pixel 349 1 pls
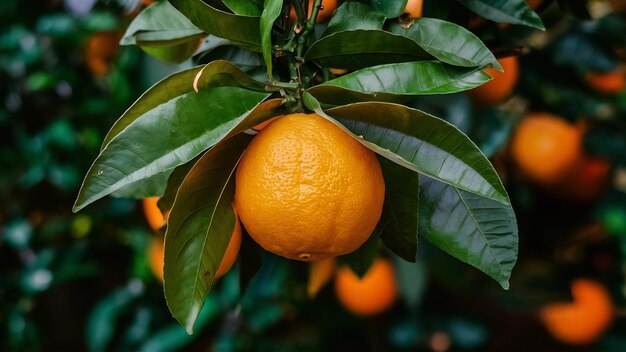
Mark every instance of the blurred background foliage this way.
pixel 75 282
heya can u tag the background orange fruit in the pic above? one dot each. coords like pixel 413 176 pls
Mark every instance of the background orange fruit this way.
pixel 584 320
pixel 328 8
pixel 501 86
pixel 370 295
pixel 156 250
pixel 546 147
pixel 100 51
pixel 608 83
pixel 307 190
pixel 153 214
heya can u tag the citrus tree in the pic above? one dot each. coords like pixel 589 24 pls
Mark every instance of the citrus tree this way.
pixel 343 89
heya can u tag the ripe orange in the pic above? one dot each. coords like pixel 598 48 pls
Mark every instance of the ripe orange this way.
pixel 156 250
pixel 307 190
pixel 545 147
pixel 323 15
pixel 500 87
pixel 100 51
pixel 153 214
pixel 370 295
pixel 582 321
pixel 587 180
pixel 413 8
pixel 608 83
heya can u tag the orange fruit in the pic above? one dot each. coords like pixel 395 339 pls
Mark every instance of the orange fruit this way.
pixel 338 71
pixel 307 190
pixel 320 274
pixel 156 250
pixel 323 15
pixel 608 83
pixel 587 180
pixel 582 321
pixel 500 87
pixel 100 51
pixel 545 147
pixel 413 8
pixel 372 294
pixel 153 214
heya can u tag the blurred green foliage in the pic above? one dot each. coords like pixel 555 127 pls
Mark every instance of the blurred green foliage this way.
pixel 81 281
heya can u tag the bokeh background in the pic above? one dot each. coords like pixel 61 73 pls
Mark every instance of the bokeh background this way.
pixel 83 282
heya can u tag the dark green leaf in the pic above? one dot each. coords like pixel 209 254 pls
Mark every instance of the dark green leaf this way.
pixel 271 11
pixel 352 16
pixel 167 136
pixel 242 31
pixel 174 181
pixel 396 82
pixel 363 48
pixel 215 74
pixel 362 259
pixel 391 8
pixel 160 24
pixel 199 229
pixel 398 224
pixel 151 187
pixel 474 229
pixel 448 42
pixel 505 11
pixel 422 143
pixel 245 7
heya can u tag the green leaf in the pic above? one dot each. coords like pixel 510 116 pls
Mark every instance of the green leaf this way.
pixel 214 74
pixel 167 136
pixel 153 186
pixel 173 53
pixel 356 49
pixel 474 229
pixel 242 31
pixel 391 8
pixel 160 24
pixel 397 82
pixel 173 183
pixel 448 42
pixel 199 229
pixel 362 259
pixel 505 11
pixel 271 11
pixel 245 7
pixel 352 16
pixel 422 143
pixel 399 222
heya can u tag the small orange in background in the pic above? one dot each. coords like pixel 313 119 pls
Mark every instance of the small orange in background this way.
pixel 583 321
pixel 612 82
pixel 100 51
pixel 500 87
pixel 372 294
pixel 323 15
pixel 413 8
pixel 545 147
pixel 156 251
pixel 588 179
pixel 153 214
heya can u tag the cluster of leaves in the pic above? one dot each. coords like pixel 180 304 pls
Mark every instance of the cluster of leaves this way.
pixel 183 138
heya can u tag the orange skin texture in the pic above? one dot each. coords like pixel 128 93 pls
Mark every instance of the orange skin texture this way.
pixel 612 82
pixel 307 190
pixel 370 295
pixel 153 214
pixel 323 15
pixel 414 8
pixel 500 87
pixel 156 251
pixel 583 321
pixel 546 147
pixel 100 51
